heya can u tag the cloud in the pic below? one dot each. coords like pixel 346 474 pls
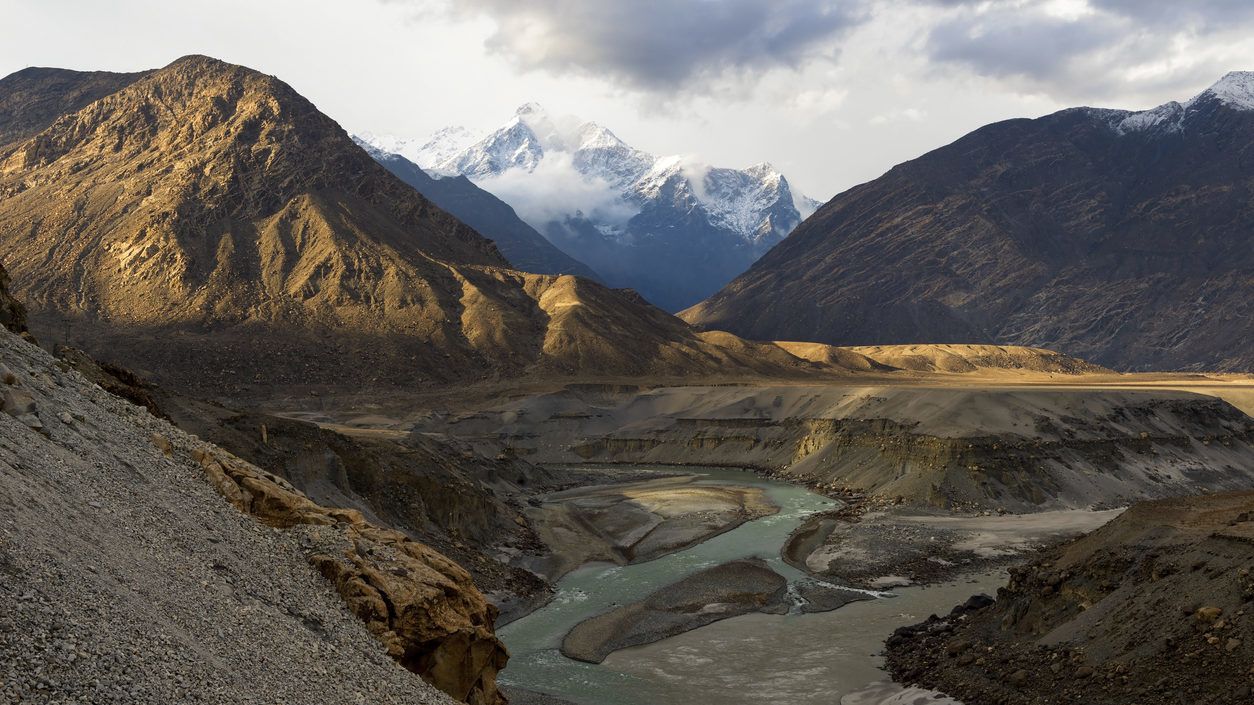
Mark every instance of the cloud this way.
pixel 1091 48
pixel 896 116
pixel 556 189
pixel 660 45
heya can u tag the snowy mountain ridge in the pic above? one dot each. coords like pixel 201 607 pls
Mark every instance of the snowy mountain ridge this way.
pixel 671 227
pixel 745 201
pixel 1235 90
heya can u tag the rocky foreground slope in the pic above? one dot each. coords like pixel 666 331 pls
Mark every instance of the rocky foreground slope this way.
pixel 1155 608
pixel 141 564
pixel 207 224
pixel 1122 238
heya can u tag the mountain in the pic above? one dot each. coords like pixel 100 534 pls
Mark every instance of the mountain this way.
pixel 1120 237
pixel 526 249
pixel 34 97
pixel 441 146
pixel 668 227
pixel 210 227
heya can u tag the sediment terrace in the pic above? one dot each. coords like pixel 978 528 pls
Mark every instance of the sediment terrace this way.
pixel 990 446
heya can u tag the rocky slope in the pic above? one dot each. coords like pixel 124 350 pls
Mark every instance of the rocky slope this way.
pixel 444 495
pixel 212 209
pixel 33 98
pixel 129 578
pixel 671 229
pixel 961 446
pixel 1118 237
pixel 526 249
pixel 1153 608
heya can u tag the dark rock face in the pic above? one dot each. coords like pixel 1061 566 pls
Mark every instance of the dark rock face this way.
pixel 1129 246
pixel 1155 607
pixel 12 312
pixel 421 605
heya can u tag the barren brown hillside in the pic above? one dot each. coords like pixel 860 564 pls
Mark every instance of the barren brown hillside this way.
pixel 206 223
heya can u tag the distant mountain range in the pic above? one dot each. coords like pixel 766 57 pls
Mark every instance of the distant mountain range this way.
pixel 668 227
pixel 1125 238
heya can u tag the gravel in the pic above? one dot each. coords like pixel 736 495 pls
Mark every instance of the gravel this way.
pixel 124 578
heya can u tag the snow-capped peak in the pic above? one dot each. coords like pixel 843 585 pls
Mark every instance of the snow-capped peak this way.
pixel 1235 89
pixel 592 135
pixel 531 108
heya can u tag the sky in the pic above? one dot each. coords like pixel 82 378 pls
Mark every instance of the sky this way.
pixel 831 92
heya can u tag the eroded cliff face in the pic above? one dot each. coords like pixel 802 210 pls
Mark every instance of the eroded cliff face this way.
pixel 1155 607
pixel 967 448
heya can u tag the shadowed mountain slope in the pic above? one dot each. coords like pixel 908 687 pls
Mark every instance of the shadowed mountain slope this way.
pixel 209 226
pixel 1122 238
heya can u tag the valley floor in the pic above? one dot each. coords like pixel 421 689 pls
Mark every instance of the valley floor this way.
pixel 1081 447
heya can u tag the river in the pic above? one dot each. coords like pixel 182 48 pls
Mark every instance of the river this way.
pixel 751 660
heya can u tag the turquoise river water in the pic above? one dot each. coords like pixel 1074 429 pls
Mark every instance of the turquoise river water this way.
pixel 755 659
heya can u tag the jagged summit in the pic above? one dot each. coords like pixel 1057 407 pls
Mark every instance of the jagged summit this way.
pixel 629 214
pixel 1236 89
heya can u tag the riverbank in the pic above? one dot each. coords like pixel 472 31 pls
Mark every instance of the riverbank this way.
pixel 637 521
pixel 722 592
pixel 901 546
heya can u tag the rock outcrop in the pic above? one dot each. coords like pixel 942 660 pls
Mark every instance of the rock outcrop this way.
pixel 1156 607
pixel 12 312
pixel 421 605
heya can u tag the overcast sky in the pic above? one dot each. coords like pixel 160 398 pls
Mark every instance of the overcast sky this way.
pixel 833 92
